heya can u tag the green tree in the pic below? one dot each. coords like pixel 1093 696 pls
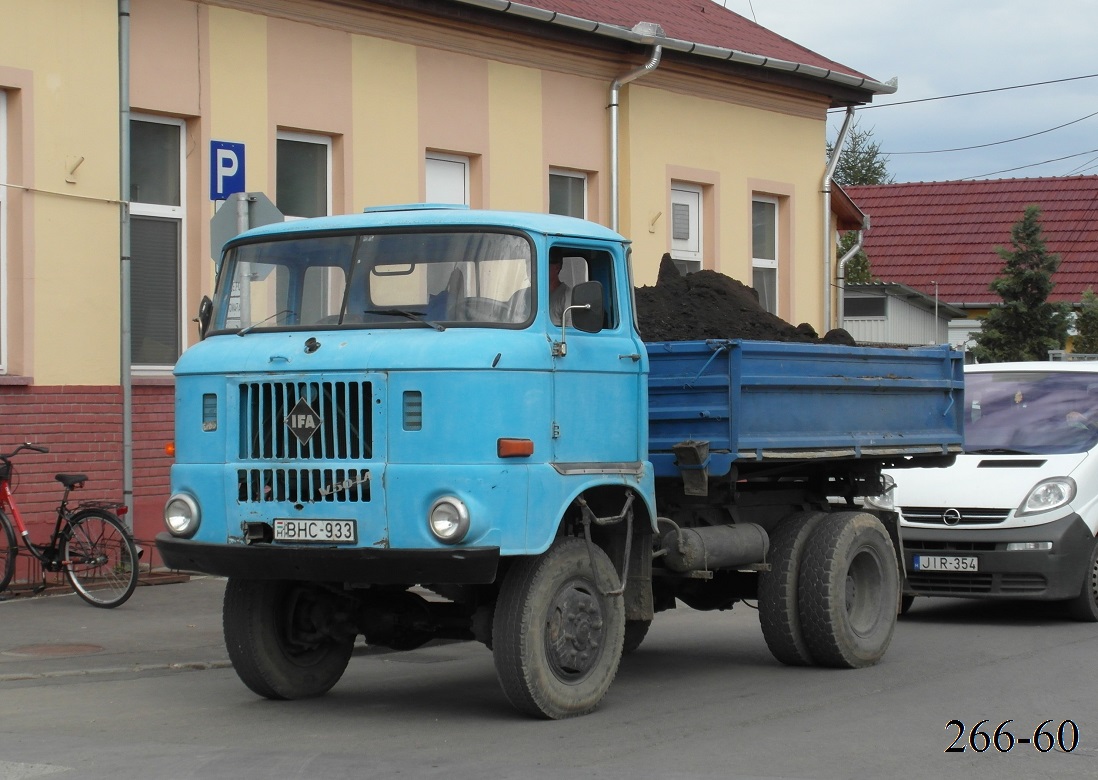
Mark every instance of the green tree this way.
pixel 862 161
pixel 1086 325
pixel 857 269
pixel 1026 326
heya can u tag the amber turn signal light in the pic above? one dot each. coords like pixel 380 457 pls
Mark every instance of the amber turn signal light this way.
pixel 514 448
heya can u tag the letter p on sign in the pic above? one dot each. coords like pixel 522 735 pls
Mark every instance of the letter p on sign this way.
pixel 226 169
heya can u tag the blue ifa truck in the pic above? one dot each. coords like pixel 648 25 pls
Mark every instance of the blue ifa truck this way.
pixel 390 430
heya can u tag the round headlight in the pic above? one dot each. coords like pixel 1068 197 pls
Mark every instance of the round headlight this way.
pixel 448 520
pixel 181 515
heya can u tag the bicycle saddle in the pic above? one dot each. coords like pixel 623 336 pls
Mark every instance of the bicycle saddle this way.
pixel 71 480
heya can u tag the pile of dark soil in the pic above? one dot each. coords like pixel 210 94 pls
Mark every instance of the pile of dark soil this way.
pixel 710 305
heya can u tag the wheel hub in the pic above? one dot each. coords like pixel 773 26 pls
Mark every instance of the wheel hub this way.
pixel 574 633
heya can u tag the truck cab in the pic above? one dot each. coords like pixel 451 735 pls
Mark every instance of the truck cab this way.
pixel 383 401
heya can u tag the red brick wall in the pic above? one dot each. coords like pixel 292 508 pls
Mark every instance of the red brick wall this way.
pixel 82 426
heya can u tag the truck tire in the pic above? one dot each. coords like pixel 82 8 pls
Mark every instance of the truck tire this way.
pixel 1084 607
pixel 274 644
pixel 557 639
pixel 779 613
pixel 848 591
pixel 635 632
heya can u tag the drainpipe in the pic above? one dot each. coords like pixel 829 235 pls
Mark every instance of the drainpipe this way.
pixel 651 32
pixel 842 270
pixel 829 239
pixel 124 243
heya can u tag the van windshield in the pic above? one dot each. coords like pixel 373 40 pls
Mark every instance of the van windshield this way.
pixel 1031 412
pixel 399 280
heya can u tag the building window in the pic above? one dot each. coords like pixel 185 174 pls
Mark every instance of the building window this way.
pixel 686 227
pixel 304 175
pixel 864 307
pixel 303 182
pixel 568 193
pixel 764 251
pixel 3 231
pixel 156 241
pixel 447 178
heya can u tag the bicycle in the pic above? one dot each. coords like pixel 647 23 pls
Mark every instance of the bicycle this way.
pixel 89 542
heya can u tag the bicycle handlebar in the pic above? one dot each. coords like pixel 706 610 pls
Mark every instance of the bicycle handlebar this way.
pixel 24 446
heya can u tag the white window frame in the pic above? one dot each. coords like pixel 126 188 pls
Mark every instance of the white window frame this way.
pixel 434 165
pixel 3 232
pixel 571 174
pixel 766 262
pixel 319 140
pixel 687 252
pixel 178 213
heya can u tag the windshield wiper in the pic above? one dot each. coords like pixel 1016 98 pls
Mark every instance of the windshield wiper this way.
pixel 248 329
pixel 415 316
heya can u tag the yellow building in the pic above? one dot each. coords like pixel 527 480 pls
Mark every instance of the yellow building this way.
pixel 696 133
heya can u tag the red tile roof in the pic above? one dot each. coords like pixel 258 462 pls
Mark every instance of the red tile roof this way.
pixel 697 21
pixel 947 232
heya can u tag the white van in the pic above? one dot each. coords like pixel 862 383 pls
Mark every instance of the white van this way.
pixel 1015 516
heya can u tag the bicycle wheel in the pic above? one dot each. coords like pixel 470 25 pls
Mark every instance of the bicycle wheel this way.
pixel 100 558
pixel 8 550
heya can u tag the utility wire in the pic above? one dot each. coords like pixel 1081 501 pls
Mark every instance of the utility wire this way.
pixel 1031 165
pixel 997 143
pixel 966 94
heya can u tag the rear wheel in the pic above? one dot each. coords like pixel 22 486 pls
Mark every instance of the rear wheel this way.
pixel 848 591
pixel 779 613
pixel 100 558
pixel 8 551
pixel 556 637
pixel 1084 607
pixel 285 639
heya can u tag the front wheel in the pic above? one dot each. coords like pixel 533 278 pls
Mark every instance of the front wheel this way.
pixel 100 558
pixel 1084 607
pixel 556 636
pixel 286 640
pixel 848 591
pixel 8 551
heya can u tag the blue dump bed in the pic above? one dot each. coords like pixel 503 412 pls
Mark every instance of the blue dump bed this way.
pixel 762 401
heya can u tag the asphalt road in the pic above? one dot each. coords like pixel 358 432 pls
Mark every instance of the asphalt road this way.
pixel 145 690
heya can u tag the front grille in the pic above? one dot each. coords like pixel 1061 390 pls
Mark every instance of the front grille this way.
pixel 976 583
pixel 934 515
pixel 343 429
pixel 333 485
pixel 924 546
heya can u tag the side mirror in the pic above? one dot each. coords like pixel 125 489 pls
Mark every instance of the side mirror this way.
pixel 205 311
pixel 586 309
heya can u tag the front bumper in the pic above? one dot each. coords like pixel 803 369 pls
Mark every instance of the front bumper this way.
pixel 363 565
pixel 1017 574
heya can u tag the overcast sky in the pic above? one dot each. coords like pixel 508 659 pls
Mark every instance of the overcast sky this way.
pixel 946 47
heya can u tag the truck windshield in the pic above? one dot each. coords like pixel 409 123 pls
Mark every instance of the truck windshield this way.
pixel 393 280
pixel 1031 412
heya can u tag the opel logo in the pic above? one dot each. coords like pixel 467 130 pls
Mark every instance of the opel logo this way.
pixel 951 516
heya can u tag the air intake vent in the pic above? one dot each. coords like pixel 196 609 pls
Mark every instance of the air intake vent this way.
pixel 413 410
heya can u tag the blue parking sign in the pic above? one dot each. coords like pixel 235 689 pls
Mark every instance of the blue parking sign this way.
pixel 226 169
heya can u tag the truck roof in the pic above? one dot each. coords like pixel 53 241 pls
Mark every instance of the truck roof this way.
pixel 426 215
